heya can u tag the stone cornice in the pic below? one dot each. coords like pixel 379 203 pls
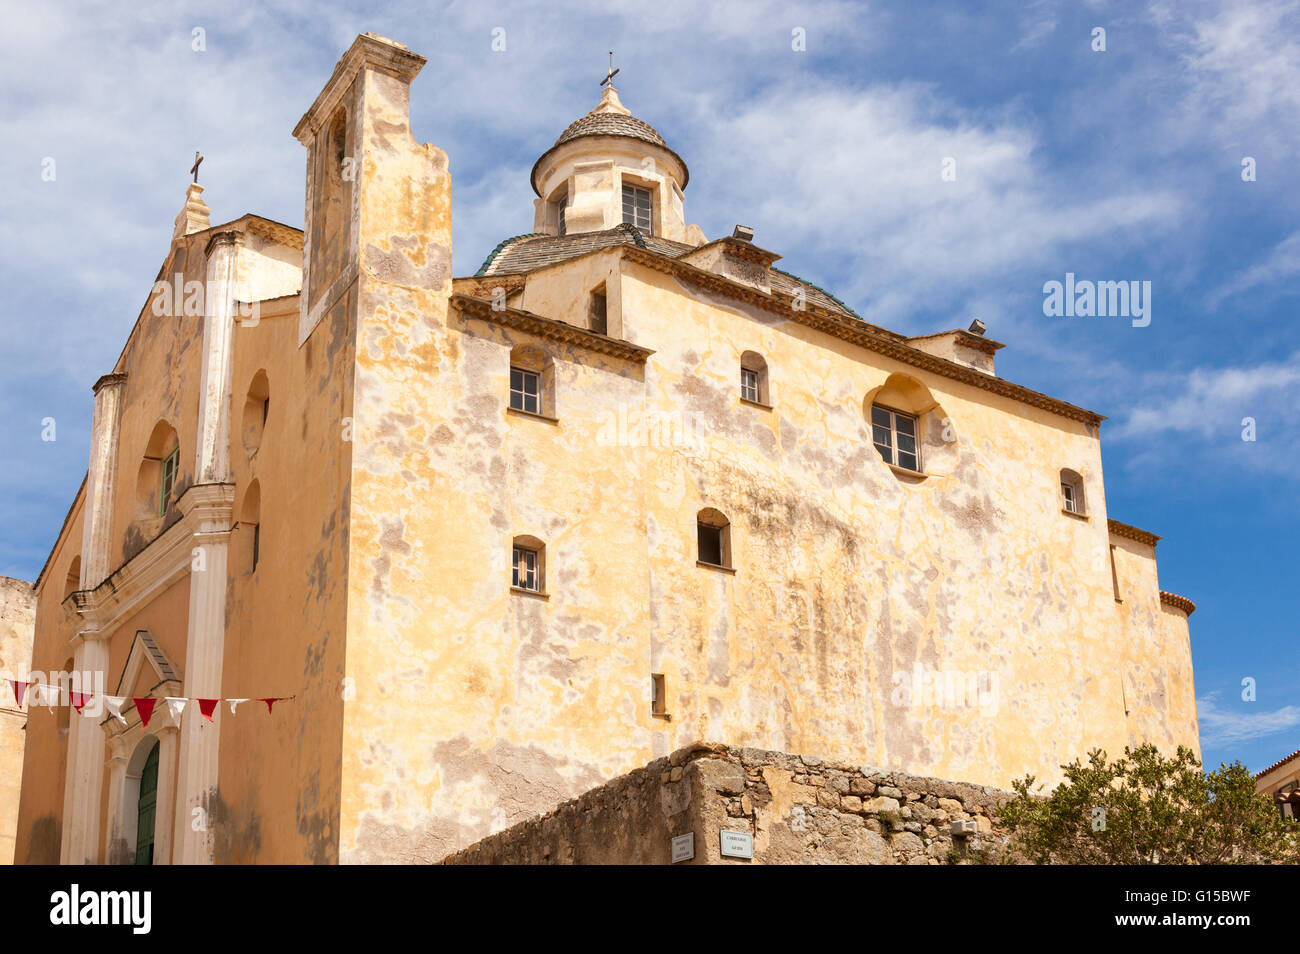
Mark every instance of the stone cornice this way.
pixel 205 508
pixel 368 51
pixel 483 286
pixel 275 231
pixel 108 380
pixel 967 338
pixel 737 248
pixel 860 334
pixel 208 506
pixel 223 237
pixel 551 329
pixel 1133 533
pixel 1178 602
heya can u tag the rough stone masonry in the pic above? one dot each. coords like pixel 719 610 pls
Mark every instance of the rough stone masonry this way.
pixel 799 809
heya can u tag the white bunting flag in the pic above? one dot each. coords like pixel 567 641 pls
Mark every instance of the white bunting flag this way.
pixel 175 706
pixel 234 703
pixel 114 706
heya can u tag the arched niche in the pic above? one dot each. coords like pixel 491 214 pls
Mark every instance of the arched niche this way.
pixel 158 474
pixel 901 399
pixel 257 406
pixel 249 520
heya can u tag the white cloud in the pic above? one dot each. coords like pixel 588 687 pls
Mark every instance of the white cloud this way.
pixel 1037 22
pixel 1211 402
pixel 853 176
pixel 1283 262
pixel 1239 86
pixel 1224 727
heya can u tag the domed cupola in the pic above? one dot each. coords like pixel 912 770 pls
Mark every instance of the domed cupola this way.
pixel 608 168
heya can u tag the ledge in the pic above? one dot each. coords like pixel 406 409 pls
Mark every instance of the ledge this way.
pixel 906 472
pixel 716 566
pixel 1133 533
pixel 517 412
pixel 535 594
pixel 1178 602
pixel 550 329
pixel 1077 516
pixel 758 404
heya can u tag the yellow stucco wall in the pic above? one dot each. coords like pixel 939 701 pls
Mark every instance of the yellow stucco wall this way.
pixel 17 629
pixel 847 573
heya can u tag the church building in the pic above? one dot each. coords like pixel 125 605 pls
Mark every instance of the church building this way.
pixel 372 560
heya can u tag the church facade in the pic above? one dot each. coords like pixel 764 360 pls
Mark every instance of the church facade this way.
pixel 493 540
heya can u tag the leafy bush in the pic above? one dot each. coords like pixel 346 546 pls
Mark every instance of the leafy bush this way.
pixel 1145 809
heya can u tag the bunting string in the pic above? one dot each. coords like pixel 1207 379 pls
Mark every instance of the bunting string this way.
pixel 45 694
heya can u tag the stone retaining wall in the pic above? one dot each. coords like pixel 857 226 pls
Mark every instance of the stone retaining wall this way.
pixel 799 809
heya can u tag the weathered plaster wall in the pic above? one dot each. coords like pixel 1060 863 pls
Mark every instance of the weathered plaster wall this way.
pixel 848 575
pixel 40 814
pixel 403 255
pixel 163 364
pixel 279 786
pixel 564 291
pixel 17 630
pixel 798 810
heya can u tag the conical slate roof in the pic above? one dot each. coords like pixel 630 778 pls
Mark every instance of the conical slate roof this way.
pixel 611 124
pixel 610 118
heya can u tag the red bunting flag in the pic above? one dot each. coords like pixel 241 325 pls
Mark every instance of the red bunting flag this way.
pixel 270 701
pixel 145 708
pixel 207 707
pixel 20 690
pixel 79 699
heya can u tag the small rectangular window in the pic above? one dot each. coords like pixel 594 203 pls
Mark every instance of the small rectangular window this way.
pixel 257 540
pixel 710 540
pixel 1114 575
pixel 599 316
pixel 525 391
pixel 526 571
pixel 1067 491
pixel 749 389
pixel 562 203
pixel 636 207
pixel 658 702
pixel 894 435
pixel 167 483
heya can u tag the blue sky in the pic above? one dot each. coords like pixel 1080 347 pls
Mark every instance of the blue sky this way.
pixel 1117 165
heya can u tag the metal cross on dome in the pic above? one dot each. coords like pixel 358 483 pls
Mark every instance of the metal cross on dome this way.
pixel 609 77
pixel 195 168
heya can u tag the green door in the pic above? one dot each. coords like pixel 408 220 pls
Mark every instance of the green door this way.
pixel 148 809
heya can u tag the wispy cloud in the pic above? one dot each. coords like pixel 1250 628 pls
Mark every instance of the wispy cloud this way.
pixel 1231 419
pixel 1281 263
pixel 1223 727
pixel 858 176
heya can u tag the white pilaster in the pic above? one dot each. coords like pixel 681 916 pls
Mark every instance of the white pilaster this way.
pixel 209 507
pixel 85 773
pixel 212 448
pixel 98 508
pixel 166 800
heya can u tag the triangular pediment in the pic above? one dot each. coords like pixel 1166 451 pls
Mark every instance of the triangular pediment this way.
pixel 147 667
